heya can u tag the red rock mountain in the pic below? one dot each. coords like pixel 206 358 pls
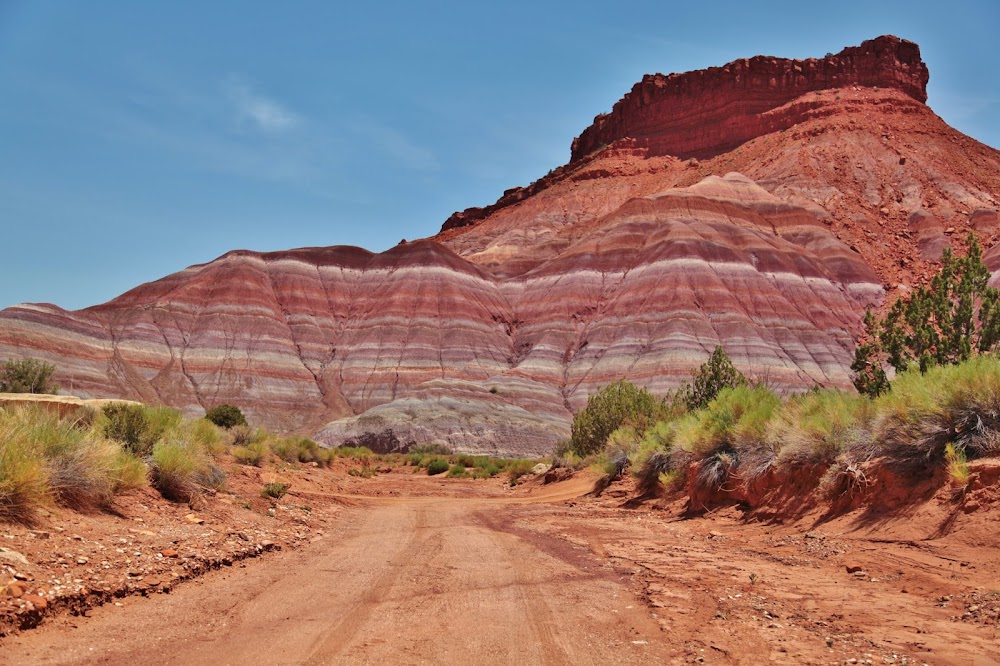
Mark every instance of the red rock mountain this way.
pixel 760 206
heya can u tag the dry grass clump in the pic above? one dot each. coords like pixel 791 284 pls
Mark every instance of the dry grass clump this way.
pixel 954 404
pixel 45 458
pixel 253 454
pixel 301 449
pixel 818 426
pixel 178 465
pixel 731 433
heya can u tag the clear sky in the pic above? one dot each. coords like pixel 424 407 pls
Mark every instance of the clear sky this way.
pixel 137 138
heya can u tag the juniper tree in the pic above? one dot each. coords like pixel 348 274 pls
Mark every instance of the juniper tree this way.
pixel 945 322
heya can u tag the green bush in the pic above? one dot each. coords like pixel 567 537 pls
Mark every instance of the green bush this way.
pixel 946 322
pixel 817 426
pixel 516 468
pixel 226 416
pixel 437 466
pixel 27 375
pixel 176 465
pixel 274 490
pixel 949 404
pixel 609 409
pixel 252 454
pixel 365 472
pixel 206 434
pixel 711 377
pixel 457 472
pixel 128 423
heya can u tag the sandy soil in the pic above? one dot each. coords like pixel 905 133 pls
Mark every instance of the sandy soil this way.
pixel 414 569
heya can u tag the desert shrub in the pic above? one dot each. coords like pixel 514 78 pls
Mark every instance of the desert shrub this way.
pixel 301 449
pixel 129 424
pixel 47 458
pixel 946 322
pixel 516 468
pixel 415 459
pixel 609 409
pixel 352 452
pixel 958 469
pixel 613 465
pixel 437 466
pixel 240 435
pixel 210 476
pixel 27 375
pixel 737 418
pixel 730 432
pixel 457 471
pixel 161 421
pixel 274 490
pixel 252 454
pixel 714 470
pixel 206 434
pixel 128 472
pixel 80 464
pixel 818 426
pixel 226 416
pixel 948 404
pixel 465 460
pixel 485 472
pixel 365 471
pixel 711 377
pixel 435 449
pixel 287 449
pixel 23 477
pixel 176 464
pixel 81 472
pixel 652 471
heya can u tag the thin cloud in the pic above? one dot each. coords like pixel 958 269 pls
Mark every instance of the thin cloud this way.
pixel 397 145
pixel 266 114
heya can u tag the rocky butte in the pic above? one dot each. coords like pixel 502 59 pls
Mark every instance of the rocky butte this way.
pixel 760 205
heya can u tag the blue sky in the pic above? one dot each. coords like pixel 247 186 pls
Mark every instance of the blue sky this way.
pixel 137 139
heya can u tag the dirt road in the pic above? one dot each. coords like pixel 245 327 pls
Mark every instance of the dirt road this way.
pixel 414 580
pixel 427 571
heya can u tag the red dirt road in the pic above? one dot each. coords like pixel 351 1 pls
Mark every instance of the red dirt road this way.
pixel 410 580
pixel 425 576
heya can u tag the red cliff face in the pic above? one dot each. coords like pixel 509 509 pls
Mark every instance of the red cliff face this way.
pixel 702 113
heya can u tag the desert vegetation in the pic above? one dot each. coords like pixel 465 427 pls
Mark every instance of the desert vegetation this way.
pixel 922 423
pixel 928 400
pixel 27 375
pixel 82 461
pixel 954 317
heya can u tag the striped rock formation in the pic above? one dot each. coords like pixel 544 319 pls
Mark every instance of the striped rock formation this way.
pixel 633 260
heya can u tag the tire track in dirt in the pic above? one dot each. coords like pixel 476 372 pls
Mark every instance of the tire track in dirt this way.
pixel 409 580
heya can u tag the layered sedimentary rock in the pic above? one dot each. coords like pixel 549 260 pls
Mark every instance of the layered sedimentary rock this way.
pixel 889 177
pixel 702 113
pixel 419 344
pixel 819 184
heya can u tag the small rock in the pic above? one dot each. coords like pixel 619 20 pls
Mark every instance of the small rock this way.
pixel 38 601
pixel 884 211
pixel 194 519
pixel 970 506
pixel 16 589
pixel 13 556
pixel 854 568
pixel 82 560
